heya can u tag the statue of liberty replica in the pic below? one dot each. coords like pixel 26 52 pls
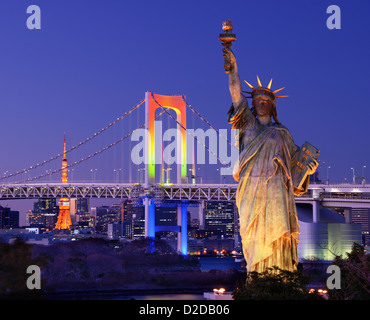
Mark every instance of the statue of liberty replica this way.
pixel 268 168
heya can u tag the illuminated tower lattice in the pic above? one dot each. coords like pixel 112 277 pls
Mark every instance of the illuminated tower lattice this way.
pixel 64 217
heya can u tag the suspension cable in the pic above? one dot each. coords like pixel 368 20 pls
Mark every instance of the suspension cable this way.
pixel 205 121
pixel 80 161
pixel 88 157
pixel 210 151
pixel 74 147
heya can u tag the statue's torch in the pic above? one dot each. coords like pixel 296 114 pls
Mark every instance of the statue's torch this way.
pixel 227 38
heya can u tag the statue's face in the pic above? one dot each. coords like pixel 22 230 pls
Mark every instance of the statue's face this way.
pixel 263 107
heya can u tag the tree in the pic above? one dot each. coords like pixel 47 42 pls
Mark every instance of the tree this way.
pixel 355 275
pixel 274 284
pixel 15 258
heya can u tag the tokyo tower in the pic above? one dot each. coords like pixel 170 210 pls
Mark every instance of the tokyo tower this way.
pixel 64 217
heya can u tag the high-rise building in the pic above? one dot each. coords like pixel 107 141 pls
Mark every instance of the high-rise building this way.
pixel 79 209
pixel 34 218
pixel 8 219
pixel 362 216
pixel 46 205
pixel 50 219
pixel 166 216
pixel 121 229
pixel 104 216
pixel 219 218
pixel 82 205
pixel 44 214
pixel 138 222
pixel 136 216
pixel 359 216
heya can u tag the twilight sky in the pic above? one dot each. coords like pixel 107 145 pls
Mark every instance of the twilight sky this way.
pixel 94 60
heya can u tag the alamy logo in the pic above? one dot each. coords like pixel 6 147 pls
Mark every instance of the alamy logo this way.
pixel 333 281
pixel 34 20
pixel 170 142
pixel 34 280
pixel 333 21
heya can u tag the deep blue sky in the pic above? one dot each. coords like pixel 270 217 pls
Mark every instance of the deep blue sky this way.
pixel 94 60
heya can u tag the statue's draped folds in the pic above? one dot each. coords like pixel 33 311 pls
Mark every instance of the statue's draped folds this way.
pixel 265 197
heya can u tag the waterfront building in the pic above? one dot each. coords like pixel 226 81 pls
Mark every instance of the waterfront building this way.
pixel 165 216
pixel 362 216
pixel 46 205
pixel 359 216
pixel 79 209
pixel 120 230
pixel 50 219
pixel 138 225
pixel 29 235
pixel 34 217
pixel 219 216
pixel 105 215
pixel 218 246
pixel 328 236
pixel 135 215
pixel 8 219
pixel 44 214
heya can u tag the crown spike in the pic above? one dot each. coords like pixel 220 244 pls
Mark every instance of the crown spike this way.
pixel 278 90
pixel 281 96
pixel 249 84
pixel 269 85
pixel 259 82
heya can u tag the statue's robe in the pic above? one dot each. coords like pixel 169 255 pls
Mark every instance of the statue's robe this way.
pixel 269 226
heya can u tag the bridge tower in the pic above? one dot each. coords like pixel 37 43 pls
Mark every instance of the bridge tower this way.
pixel 64 217
pixel 177 103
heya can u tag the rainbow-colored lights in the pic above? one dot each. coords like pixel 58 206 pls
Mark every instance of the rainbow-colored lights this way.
pixel 178 104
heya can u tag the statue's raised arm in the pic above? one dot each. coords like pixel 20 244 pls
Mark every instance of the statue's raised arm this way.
pixel 235 85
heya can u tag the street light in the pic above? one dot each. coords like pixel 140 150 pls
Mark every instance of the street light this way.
pixel 167 175
pixel 218 169
pixel 49 173
pixel 327 174
pixel 93 174
pixel 139 172
pixel 117 175
pixel 5 173
pixel 354 180
pixel 71 170
pixel 192 176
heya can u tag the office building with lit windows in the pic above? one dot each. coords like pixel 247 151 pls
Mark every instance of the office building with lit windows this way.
pixel 362 216
pixel 8 219
pixel 120 230
pixel 44 214
pixel 219 218
pixel 105 215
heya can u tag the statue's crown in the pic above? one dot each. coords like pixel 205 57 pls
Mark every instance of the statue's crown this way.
pixel 265 92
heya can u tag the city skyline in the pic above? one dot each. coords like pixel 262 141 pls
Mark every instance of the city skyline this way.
pixel 91 62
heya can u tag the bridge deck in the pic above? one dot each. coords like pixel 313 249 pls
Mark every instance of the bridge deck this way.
pixel 190 192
